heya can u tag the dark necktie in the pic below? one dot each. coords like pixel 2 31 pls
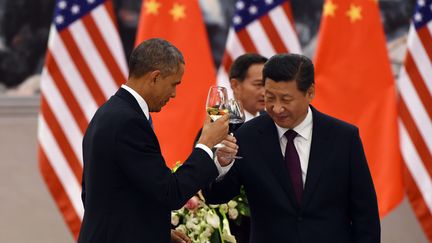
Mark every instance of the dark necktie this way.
pixel 292 161
pixel 150 121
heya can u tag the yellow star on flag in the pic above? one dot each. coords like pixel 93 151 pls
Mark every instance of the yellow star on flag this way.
pixel 152 7
pixel 354 13
pixel 178 11
pixel 329 8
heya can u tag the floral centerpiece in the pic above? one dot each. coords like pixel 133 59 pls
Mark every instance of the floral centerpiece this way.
pixel 206 223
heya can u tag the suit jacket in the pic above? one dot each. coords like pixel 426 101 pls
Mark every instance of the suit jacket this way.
pixel 128 191
pixel 338 202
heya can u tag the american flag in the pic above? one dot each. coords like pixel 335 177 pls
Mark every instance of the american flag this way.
pixel 85 65
pixel 265 27
pixel 415 109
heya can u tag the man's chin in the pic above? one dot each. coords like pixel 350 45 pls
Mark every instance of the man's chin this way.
pixel 283 122
pixel 157 109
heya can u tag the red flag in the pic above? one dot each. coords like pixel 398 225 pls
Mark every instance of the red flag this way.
pixel 354 82
pixel 181 23
pixel 415 112
pixel 84 66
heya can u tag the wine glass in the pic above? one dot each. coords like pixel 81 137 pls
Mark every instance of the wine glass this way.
pixel 216 105
pixel 237 115
pixel 237 118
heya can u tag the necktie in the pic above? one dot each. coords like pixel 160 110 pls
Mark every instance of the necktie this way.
pixel 150 121
pixel 292 161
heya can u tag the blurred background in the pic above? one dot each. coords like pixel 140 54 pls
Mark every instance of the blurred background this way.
pixel 27 210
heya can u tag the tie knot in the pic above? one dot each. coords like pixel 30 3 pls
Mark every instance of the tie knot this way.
pixel 290 134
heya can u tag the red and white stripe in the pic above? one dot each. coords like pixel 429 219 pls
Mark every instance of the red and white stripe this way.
pixel 415 123
pixel 84 66
pixel 271 34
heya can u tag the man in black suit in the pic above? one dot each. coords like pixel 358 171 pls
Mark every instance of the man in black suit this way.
pixel 305 173
pixel 128 191
pixel 245 77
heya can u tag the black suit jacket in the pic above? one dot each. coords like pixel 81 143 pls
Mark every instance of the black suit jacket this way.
pixel 338 202
pixel 128 191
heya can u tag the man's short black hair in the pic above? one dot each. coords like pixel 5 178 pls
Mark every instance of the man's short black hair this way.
pixel 289 67
pixel 241 65
pixel 155 54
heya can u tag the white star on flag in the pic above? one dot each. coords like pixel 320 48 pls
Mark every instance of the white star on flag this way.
pixel 240 5
pixel 75 9
pixel 237 20
pixel 253 9
pixel 62 4
pixel 418 17
pixel 59 19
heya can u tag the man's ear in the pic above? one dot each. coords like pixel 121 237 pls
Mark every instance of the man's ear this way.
pixel 311 92
pixel 235 84
pixel 155 75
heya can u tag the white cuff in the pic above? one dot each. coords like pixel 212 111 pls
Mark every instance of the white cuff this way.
pixel 222 170
pixel 205 148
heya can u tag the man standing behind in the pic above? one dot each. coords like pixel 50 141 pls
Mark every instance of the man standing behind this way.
pixel 128 191
pixel 246 82
pixel 305 173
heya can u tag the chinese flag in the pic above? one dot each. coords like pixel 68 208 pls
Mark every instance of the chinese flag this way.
pixel 354 82
pixel 180 22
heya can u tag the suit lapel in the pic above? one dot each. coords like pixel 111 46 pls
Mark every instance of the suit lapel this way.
pixel 128 97
pixel 320 148
pixel 273 155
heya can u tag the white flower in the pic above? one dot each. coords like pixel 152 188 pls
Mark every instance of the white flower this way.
pixel 223 208
pixel 174 219
pixel 226 234
pixel 212 219
pixel 229 238
pixel 182 228
pixel 232 204
pixel 190 225
pixel 205 235
pixel 232 213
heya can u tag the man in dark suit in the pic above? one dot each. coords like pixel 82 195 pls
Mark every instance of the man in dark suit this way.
pixel 128 191
pixel 305 173
pixel 245 77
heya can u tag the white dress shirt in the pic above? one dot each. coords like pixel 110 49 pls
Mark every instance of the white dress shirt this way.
pixel 249 116
pixel 144 107
pixel 302 142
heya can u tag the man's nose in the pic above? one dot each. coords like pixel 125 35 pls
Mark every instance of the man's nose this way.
pixel 277 108
pixel 262 91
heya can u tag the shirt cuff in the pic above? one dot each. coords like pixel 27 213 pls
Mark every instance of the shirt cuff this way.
pixel 205 148
pixel 222 170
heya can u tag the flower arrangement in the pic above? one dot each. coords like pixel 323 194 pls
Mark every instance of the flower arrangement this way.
pixel 206 223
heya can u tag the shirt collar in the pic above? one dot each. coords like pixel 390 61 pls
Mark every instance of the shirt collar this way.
pixel 304 129
pixel 249 116
pixel 141 102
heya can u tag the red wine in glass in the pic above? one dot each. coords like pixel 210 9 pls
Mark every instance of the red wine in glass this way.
pixel 234 124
